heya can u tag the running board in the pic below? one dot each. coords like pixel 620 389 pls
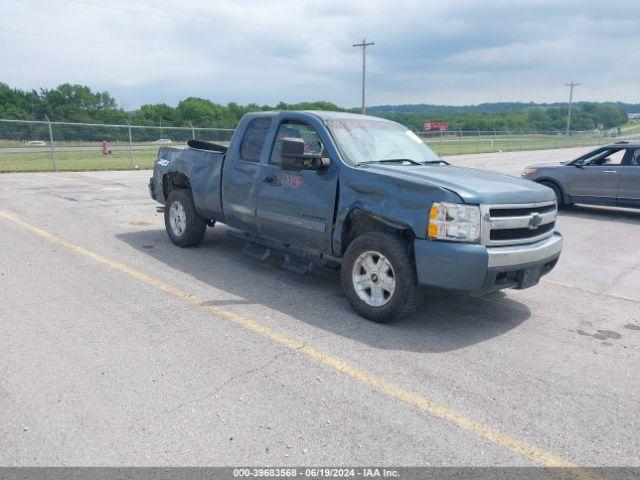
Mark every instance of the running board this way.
pixel 256 251
pixel 297 264
pixel 294 260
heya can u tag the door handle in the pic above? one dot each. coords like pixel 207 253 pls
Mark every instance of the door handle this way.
pixel 270 179
pixel 610 171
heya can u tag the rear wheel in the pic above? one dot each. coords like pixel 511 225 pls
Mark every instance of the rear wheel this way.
pixel 185 227
pixel 378 277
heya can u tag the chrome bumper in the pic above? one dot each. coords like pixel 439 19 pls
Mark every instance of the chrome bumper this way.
pixel 525 254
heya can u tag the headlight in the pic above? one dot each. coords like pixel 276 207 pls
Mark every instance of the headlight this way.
pixel 453 221
pixel 528 171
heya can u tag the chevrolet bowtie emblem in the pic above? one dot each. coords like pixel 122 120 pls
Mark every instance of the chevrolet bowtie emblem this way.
pixel 534 221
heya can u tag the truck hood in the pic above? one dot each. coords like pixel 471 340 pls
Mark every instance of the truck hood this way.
pixel 473 185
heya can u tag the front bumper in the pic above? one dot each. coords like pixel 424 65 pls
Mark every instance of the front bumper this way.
pixel 478 269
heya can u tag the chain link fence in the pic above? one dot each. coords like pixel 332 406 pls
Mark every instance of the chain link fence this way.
pixel 463 142
pixel 27 145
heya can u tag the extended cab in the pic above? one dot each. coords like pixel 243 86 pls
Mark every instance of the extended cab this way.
pixel 363 195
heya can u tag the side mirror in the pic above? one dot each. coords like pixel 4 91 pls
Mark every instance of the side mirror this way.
pixel 293 157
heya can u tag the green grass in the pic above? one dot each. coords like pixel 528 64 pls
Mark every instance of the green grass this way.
pixel 450 145
pixel 631 127
pixel 76 161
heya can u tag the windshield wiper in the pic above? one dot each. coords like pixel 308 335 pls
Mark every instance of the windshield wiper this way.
pixel 435 162
pixel 407 160
pixel 391 160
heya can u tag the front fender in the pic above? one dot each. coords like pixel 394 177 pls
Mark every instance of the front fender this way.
pixel 398 202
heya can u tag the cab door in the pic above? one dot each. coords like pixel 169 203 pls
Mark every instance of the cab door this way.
pixel 595 178
pixel 240 175
pixel 297 207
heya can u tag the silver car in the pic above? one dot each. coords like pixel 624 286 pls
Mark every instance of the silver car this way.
pixel 609 175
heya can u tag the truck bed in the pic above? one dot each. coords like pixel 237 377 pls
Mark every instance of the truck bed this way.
pixel 202 167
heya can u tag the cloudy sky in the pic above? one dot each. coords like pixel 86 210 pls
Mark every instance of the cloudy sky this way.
pixel 426 51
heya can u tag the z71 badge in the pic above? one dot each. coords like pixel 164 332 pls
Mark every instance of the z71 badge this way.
pixel 162 162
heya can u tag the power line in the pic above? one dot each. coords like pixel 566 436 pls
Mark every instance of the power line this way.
pixel 217 16
pixel 364 46
pixel 158 7
pixel 120 9
pixel 571 85
pixel 84 40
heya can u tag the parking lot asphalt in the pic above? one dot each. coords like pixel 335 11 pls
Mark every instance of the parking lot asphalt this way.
pixel 118 348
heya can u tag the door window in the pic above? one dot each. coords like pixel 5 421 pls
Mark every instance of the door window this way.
pixel 312 142
pixel 254 138
pixel 610 156
pixel 635 158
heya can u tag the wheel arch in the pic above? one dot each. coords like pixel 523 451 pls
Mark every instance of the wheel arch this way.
pixel 359 222
pixel 174 180
pixel 557 184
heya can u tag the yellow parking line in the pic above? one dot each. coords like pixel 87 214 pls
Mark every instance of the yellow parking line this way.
pixel 591 290
pixel 421 403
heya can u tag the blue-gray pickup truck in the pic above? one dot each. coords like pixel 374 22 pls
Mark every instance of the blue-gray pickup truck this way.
pixel 363 195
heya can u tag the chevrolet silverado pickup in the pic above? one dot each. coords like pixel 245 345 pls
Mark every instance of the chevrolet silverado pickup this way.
pixel 363 195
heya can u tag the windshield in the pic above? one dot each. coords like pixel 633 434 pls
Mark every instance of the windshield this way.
pixel 370 140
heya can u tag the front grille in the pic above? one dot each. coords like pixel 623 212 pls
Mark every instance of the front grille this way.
pixel 520 233
pixel 517 224
pixel 519 212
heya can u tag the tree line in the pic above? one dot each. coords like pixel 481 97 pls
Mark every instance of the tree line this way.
pixel 78 103
pixel 585 116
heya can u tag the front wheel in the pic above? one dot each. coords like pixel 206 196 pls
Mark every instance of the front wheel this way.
pixel 556 191
pixel 185 227
pixel 378 277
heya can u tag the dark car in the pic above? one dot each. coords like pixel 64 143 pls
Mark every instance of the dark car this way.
pixel 608 175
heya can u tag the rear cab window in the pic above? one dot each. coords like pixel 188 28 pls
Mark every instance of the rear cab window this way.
pixel 254 138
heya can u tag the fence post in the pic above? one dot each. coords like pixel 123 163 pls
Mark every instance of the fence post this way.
pixel 508 140
pixel 460 142
pixel 193 131
pixel 130 146
pixel 53 147
pixel 478 143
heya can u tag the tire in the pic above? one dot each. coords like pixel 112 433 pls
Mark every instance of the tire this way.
pixel 184 226
pixel 557 191
pixel 405 296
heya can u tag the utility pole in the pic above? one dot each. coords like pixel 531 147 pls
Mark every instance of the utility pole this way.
pixel 364 46
pixel 571 85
